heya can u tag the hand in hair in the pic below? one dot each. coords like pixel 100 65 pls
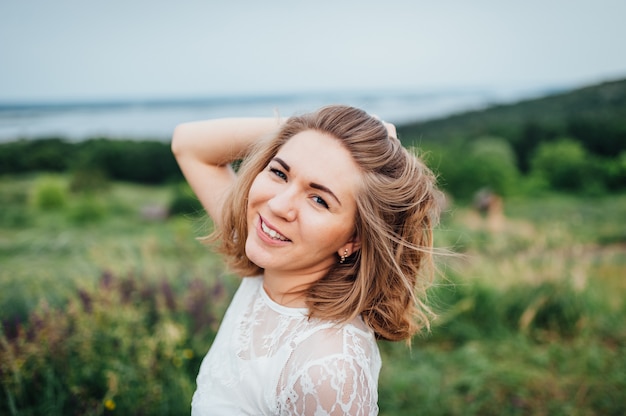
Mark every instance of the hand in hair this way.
pixel 391 129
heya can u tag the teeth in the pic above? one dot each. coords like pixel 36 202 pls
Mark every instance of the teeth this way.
pixel 273 234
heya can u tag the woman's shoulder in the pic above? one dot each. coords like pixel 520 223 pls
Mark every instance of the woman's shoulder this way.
pixel 245 294
pixel 340 333
pixel 252 281
pixel 330 341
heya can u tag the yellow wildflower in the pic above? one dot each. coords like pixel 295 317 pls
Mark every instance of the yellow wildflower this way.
pixel 109 404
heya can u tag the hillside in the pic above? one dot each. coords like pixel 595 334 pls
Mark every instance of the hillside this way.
pixel 594 115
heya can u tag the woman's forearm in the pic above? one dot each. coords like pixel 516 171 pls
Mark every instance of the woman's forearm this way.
pixel 220 141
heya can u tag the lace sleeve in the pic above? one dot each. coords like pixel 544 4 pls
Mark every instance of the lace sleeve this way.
pixel 335 386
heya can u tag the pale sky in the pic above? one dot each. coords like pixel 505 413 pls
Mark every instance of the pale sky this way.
pixel 125 49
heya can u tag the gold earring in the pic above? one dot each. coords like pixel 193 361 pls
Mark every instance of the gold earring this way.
pixel 343 256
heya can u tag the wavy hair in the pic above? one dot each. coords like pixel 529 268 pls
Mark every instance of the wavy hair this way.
pixel 385 281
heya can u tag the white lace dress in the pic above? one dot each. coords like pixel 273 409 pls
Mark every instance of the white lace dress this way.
pixel 268 359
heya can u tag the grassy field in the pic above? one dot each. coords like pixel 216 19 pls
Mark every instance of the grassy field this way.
pixel 106 309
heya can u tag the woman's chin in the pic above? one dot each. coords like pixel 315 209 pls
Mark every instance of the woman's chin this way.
pixel 257 256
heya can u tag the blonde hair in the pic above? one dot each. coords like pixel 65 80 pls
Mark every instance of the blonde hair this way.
pixel 385 281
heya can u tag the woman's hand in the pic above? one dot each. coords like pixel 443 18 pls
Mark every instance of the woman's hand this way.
pixel 391 129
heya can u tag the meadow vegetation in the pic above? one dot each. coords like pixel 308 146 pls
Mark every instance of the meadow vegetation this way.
pixel 106 309
pixel 108 302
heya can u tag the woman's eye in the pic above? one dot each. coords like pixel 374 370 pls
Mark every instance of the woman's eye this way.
pixel 319 200
pixel 278 173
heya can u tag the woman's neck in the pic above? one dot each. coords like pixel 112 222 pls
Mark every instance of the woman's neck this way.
pixel 287 289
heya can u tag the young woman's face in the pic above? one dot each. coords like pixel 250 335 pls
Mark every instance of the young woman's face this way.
pixel 301 207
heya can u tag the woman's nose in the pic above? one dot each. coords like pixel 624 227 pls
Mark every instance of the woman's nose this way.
pixel 283 204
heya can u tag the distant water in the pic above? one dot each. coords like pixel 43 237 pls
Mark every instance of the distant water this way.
pixel 156 119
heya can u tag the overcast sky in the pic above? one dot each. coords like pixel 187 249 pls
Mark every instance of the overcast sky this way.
pixel 118 49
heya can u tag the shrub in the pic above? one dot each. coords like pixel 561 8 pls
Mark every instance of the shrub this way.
pixel 488 162
pixel 564 164
pixel 492 164
pixel 49 193
pixel 615 171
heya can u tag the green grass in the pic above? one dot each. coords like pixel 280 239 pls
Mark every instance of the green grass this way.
pixel 104 311
pixel 48 252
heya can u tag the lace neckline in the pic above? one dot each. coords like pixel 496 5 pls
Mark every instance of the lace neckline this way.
pixel 281 309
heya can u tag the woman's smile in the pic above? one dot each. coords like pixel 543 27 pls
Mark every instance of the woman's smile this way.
pixel 270 232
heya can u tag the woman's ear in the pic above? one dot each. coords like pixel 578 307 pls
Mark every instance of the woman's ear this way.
pixel 356 244
pixel 350 247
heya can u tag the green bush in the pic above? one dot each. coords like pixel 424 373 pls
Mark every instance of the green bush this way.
pixel 466 167
pixel 49 193
pixel 563 163
pixel 492 164
pixel 614 171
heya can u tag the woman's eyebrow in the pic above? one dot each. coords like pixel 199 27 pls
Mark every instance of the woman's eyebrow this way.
pixel 282 163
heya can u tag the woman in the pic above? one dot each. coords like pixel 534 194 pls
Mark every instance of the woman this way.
pixel 330 219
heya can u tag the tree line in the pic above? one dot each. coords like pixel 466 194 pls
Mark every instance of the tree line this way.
pixel 148 162
pixel 574 141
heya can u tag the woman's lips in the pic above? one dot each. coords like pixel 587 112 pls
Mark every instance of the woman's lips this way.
pixel 268 231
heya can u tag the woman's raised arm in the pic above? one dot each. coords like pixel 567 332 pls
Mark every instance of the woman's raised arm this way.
pixel 205 149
